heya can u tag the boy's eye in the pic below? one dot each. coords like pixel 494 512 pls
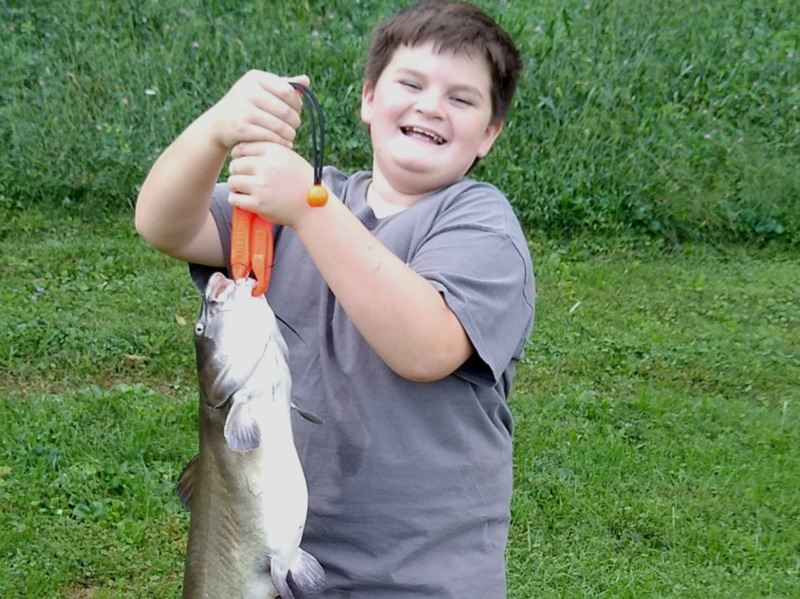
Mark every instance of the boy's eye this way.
pixel 410 84
pixel 462 101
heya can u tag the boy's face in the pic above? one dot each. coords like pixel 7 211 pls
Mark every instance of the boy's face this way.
pixel 429 116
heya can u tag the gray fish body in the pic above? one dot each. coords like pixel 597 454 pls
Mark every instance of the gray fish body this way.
pixel 246 488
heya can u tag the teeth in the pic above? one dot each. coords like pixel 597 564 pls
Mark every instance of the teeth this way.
pixel 437 139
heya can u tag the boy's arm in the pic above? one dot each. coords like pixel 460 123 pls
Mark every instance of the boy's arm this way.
pixel 172 210
pixel 401 315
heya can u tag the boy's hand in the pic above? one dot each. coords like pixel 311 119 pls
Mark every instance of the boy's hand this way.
pixel 259 107
pixel 271 181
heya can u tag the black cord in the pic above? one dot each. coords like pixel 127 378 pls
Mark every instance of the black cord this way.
pixel 315 116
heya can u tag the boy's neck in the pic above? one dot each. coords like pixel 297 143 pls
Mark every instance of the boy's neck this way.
pixel 386 201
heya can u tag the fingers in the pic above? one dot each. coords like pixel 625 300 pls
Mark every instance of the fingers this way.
pixel 261 126
pixel 243 200
pixel 237 199
pixel 302 79
pixel 253 148
pixel 247 165
pixel 278 112
pixel 241 165
pixel 241 178
pixel 260 107
pixel 280 88
pixel 251 169
pixel 269 180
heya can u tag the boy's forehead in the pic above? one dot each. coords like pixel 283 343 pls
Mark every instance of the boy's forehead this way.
pixel 432 48
pixel 426 56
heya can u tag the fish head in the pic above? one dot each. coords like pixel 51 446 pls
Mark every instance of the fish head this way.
pixel 230 336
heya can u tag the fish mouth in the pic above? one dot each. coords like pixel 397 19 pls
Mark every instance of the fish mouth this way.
pixel 422 133
pixel 217 285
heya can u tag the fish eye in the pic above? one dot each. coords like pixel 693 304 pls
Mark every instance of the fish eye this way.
pixel 199 328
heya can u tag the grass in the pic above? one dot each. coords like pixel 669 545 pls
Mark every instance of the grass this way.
pixel 88 493
pixel 66 292
pixel 679 118
pixel 657 407
pixel 656 411
pixel 656 426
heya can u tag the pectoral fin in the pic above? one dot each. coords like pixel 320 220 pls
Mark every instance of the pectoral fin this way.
pixel 186 483
pixel 279 576
pixel 307 574
pixel 242 429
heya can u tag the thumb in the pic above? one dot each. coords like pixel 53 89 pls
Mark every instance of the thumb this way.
pixel 301 79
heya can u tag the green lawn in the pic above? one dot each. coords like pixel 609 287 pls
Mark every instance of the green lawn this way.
pixel 657 418
pixel 657 448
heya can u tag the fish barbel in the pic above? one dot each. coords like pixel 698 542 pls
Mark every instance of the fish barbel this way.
pixel 245 489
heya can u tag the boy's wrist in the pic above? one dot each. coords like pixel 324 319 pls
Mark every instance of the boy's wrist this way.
pixel 208 129
pixel 311 218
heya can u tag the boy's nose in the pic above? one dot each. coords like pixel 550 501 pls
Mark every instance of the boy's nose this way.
pixel 429 103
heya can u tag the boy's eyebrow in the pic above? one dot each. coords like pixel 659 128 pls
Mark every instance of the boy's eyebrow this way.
pixel 466 87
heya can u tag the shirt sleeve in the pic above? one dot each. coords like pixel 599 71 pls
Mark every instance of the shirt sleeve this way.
pixel 222 212
pixel 477 257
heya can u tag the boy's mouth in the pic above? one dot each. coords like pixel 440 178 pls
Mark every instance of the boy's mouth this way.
pixel 423 134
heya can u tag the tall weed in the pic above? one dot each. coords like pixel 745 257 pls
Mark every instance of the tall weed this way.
pixel 677 119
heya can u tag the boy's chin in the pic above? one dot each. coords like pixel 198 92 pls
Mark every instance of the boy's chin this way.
pixel 421 179
pixel 417 157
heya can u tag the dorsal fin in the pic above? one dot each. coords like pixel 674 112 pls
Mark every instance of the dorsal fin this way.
pixel 186 483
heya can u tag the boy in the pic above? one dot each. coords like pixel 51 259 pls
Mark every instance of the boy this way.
pixel 411 293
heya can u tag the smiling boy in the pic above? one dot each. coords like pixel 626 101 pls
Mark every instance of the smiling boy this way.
pixel 429 120
pixel 410 298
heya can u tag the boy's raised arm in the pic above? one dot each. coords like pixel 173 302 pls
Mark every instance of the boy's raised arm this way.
pixel 172 208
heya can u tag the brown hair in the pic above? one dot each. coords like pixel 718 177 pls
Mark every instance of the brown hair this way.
pixel 452 27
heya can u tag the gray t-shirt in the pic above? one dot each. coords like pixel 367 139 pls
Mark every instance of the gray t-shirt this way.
pixel 409 483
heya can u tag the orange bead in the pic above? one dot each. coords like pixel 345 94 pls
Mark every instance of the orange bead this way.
pixel 317 196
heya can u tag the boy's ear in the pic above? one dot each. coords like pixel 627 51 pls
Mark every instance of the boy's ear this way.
pixel 367 96
pixel 491 133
